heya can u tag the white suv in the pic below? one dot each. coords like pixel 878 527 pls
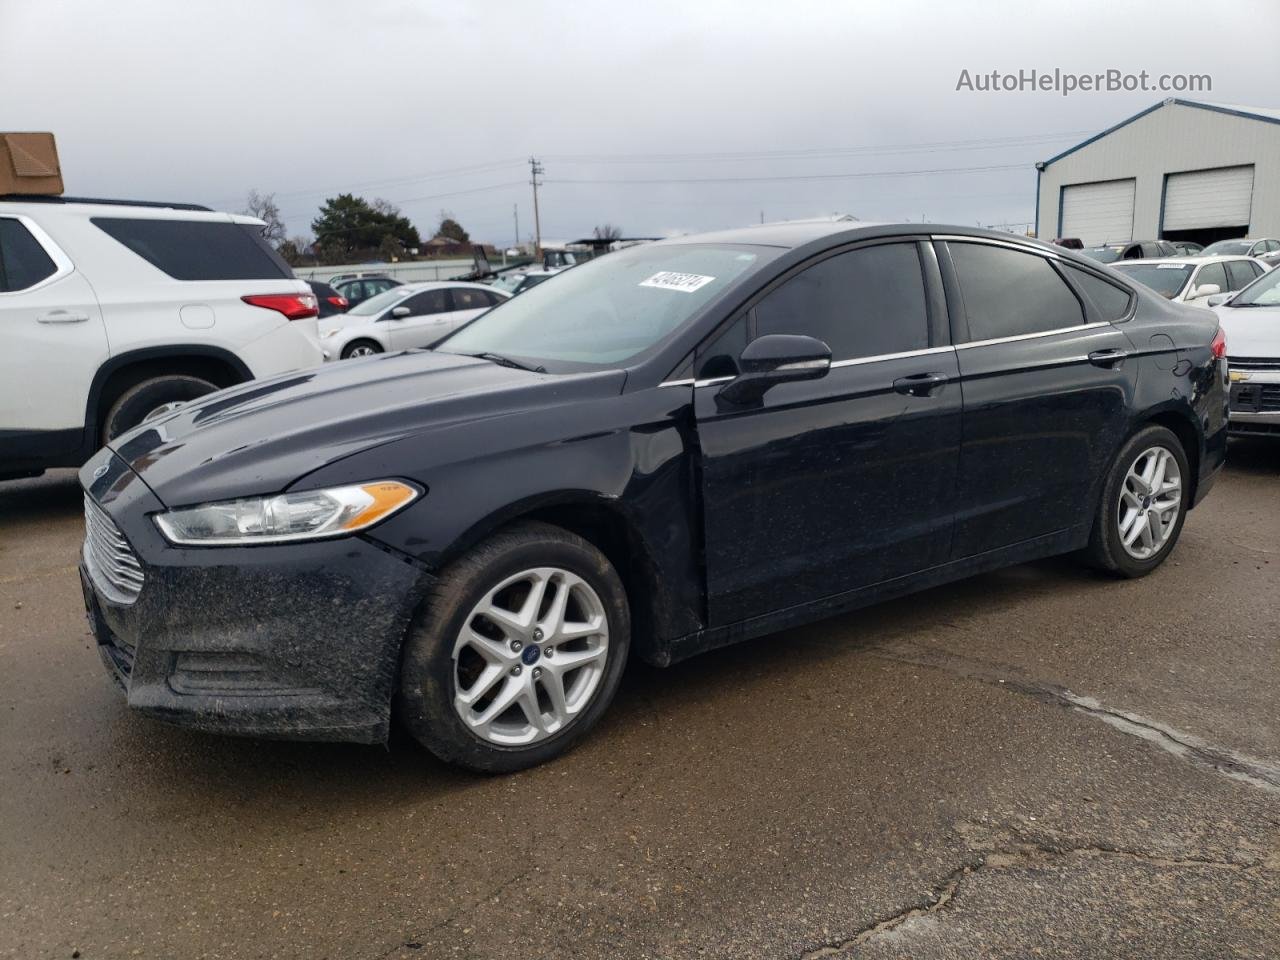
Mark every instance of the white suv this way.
pixel 114 313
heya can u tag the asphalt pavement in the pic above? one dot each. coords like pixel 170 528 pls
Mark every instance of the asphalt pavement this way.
pixel 1036 762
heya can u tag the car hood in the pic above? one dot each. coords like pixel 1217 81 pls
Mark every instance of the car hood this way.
pixel 263 436
pixel 1251 331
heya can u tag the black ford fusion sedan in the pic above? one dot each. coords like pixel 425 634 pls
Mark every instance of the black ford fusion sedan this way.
pixel 669 449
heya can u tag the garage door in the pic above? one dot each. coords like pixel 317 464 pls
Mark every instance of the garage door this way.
pixel 1098 212
pixel 1208 198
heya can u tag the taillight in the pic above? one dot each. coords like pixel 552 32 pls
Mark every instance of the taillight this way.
pixel 295 306
pixel 1219 345
pixel 339 302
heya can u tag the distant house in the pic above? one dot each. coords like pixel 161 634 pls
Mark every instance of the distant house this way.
pixel 446 247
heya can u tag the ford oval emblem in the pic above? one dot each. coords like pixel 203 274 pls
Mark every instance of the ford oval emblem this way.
pixel 101 471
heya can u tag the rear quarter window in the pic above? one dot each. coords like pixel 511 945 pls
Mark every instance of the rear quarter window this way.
pixel 23 262
pixel 198 249
pixel 1111 300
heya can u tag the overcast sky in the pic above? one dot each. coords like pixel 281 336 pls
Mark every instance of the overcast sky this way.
pixel 439 105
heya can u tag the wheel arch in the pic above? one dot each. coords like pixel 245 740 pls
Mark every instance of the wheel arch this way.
pixel 122 371
pixel 1186 430
pixel 604 523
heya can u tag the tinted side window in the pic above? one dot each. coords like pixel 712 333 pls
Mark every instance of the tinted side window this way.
pixel 1212 273
pixel 1111 301
pixel 23 262
pixel 1240 273
pixel 426 303
pixel 198 249
pixel 863 303
pixel 719 356
pixel 1007 293
pixel 467 299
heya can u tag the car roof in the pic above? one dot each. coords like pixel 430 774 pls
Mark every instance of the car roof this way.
pixel 1189 260
pixel 417 286
pixel 135 209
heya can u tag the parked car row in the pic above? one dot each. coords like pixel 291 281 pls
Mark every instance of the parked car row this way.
pixel 1187 279
pixel 1266 250
pixel 404 317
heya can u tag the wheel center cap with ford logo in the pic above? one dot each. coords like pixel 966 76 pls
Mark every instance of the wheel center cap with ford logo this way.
pixel 530 654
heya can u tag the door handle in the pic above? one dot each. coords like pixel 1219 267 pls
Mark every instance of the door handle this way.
pixel 919 385
pixel 1107 358
pixel 62 316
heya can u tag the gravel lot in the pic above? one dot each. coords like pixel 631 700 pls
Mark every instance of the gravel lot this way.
pixel 1037 761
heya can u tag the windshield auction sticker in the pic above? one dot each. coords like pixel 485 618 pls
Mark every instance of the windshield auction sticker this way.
pixel 684 282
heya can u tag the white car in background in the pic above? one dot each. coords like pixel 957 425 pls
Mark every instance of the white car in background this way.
pixel 1193 279
pixel 115 313
pixel 1251 321
pixel 405 317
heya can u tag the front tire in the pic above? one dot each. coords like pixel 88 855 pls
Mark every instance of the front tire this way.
pixel 361 348
pixel 151 399
pixel 518 651
pixel 1144 505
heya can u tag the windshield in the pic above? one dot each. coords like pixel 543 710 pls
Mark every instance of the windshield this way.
pixel 607 311
pixel 378 303
pixel 1263 292
pixel 1227 247
pixel 1102 254
pixel 508 283
pixel 1166 279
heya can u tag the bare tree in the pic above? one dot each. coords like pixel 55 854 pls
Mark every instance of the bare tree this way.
pixel 263 206
pixel 608 231
pixel 385 207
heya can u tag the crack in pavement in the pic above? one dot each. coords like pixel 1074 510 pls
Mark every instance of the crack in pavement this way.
pixel 1022 854
pixel 1243 768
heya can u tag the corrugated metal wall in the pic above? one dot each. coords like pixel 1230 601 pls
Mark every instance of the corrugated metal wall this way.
pixel 1172 139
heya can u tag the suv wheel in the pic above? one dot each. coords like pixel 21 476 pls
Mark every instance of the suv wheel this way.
pixel 518 651
pixel 1144 504
pixel 360 348
pixel 151 399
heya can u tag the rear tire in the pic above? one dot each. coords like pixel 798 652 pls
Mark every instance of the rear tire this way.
pixel 559 671
pixel 361 348
pixel 1136 527
pixel 151 398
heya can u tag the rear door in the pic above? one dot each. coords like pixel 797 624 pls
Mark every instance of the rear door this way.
pixel 833 484
pixel 54 341
pixel 1047 385
pixel 426 323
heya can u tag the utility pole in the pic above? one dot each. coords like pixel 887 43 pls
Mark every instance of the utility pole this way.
pixel 535 168
pixel 515 212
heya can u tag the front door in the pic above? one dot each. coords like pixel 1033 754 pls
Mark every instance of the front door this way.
pixel 426 322
pixel 829 485
pixel 54 343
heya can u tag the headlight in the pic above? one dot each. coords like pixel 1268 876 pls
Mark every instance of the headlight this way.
pixel 305 515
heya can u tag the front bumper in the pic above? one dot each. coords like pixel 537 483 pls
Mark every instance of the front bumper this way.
pixel 297 641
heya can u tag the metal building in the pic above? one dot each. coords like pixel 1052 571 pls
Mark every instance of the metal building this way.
pixel 1179 170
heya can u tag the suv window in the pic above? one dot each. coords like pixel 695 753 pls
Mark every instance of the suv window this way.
pixel 1110 300
pixel 465 298
pixel 198 249
pixel 863 303
pixel 1240 273
pixel 1007 293
pixel 23 262
pixel 1212 273
pixel 426 303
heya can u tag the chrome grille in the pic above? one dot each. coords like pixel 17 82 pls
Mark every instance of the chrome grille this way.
pixel 1254 363
pixel 111 561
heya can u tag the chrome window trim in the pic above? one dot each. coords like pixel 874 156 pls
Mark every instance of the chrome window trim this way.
pixel 1034 251
pixel 837 363
pixel 1033 336
pixel 62 263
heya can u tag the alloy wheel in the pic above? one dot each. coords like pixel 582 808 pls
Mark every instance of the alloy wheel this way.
pixel 1150 502
pixel 361 351
pixel 530 656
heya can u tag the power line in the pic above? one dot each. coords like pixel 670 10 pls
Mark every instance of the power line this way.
pixel 804 176
pixel 819 152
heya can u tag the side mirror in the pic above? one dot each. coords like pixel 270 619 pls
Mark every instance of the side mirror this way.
pixel 1204 290
pixel 776 358
pixel 1218 299
pixel 399 312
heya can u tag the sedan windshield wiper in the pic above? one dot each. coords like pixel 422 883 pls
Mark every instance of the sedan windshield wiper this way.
pixel 502 361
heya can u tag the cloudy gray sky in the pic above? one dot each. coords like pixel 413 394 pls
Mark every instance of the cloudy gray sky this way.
pixel 738 108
